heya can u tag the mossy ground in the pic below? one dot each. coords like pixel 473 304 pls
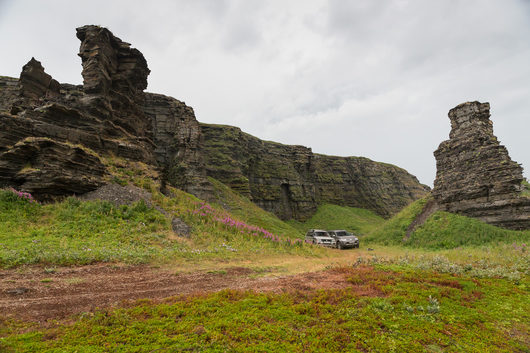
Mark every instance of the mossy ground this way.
pixel 385 308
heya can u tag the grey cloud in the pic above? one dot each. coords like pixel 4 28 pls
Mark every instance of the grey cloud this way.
pixel 372 78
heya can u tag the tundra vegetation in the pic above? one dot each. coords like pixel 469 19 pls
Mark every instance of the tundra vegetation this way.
pixel 455 285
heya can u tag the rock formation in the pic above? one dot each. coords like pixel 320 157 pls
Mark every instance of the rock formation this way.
pixel 475 176
pixel 53 137
pixel 291 181
pixel 109 115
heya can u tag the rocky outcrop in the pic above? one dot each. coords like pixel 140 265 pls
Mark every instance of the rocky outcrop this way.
pixel 49 168
pixel 107 115
pixel 475 176
pixel 177 138
pixel 35 83
pixel 114 78
pixel 52 135
pixel 291 181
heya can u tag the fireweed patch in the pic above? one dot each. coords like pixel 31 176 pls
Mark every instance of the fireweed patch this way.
pixel 208 214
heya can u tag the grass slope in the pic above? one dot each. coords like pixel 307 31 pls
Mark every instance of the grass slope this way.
pixel 244 209
pixel 356 220
pixel 74 232
pixel 386 308
pixel 443 230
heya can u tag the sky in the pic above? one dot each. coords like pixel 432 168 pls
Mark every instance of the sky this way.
pixel 367 78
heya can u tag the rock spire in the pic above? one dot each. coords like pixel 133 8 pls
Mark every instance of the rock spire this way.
pixel 475 175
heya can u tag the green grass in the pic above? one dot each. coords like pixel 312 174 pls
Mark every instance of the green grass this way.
pixel 385 308
pixel 443 230
pixel 393 230
pixel 73 232
pixel 329 217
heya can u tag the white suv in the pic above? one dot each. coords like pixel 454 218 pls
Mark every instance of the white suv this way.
pixel 320 237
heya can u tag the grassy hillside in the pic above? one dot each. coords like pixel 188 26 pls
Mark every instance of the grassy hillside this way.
pixel 392 231
pixel 356 220
pixel 244 209
pixel 443 230
pixel 81 232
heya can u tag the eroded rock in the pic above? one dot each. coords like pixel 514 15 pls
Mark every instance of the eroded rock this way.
pixel 48 169
pixel 475 175
pixel 180 228
pixel 35 83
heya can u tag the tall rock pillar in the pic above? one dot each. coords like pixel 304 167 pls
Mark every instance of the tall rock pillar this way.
pixel 475 176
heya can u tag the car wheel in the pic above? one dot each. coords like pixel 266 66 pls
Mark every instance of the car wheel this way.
pixel 339 246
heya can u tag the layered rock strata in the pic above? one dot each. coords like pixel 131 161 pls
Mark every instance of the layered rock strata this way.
pixel 475 176
pixel 291 181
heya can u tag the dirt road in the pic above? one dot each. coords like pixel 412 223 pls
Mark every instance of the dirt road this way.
pixel 37 294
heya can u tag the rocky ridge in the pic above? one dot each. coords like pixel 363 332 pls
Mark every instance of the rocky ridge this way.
pixel 475 175
pixel 54 138
pixel 291 181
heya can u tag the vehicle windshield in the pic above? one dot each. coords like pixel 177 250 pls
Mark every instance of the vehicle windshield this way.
pixel 342 234
pixel 321 234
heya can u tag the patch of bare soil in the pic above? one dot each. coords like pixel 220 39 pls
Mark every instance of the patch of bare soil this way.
pixel 37 295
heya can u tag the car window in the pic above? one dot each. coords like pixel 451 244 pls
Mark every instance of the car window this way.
pixel 342 234
pixel 321 234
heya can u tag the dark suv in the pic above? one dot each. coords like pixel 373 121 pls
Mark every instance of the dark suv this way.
pixel 344 239
pixel 319 237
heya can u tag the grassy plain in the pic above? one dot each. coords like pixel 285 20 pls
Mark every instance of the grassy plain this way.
pixel 456 285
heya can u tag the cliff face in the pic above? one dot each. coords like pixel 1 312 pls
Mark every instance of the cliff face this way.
pixel 177 139
pixel 52 136
pixel 291 181
pixel 475 175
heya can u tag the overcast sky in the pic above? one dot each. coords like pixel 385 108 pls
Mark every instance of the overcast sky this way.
pixel 350 78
